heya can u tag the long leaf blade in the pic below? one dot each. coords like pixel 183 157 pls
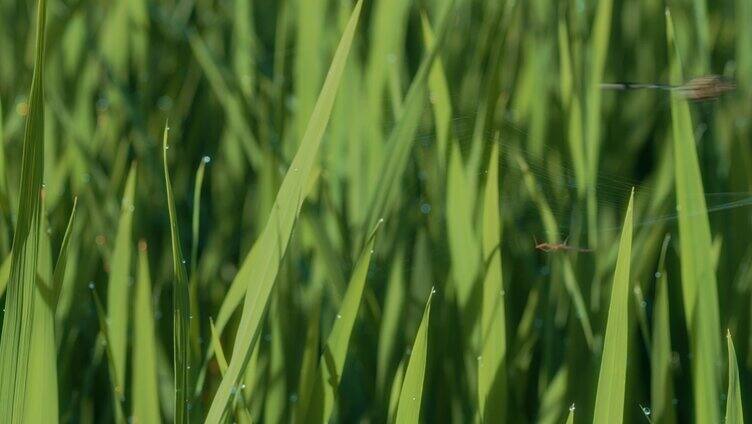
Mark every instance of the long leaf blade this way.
pixel 264 258
pixel 180 305
pixel 411 394
pixel 609 399
pixel 16 340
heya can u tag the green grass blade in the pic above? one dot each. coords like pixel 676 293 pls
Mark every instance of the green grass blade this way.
pixel 144 392
pixel 400 142
pixel 264 258
pixel 661 387
pixel 275 390
pixel 438 93
pixel 310 363
pixel 332 361
pixel 554 397
pixel 463 246
pixel 5 273
pixel 195 219
pixel 117 393
pixel 118 288
pixel 492 363
pixel 609 400
pixel 734 413
pixel 42 350
pixel 229 100
pixel 18 323
pixel 598 43
pixel 699 287
pixel 411 394
pixel 394 302
pixel 180 305
pixel 242 412
pixel 58 275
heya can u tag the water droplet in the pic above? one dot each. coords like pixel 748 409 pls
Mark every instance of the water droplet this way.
pixel 242 386
pixel 339 316
pixel 293 398
pixel 571 408
pixel 183 261
pixel 425 208
pixel 408 351
pixel 502 292
pixel 371 251
pixel 206 159
pixel 167 146
pixel 433 290
pixel 658 274
pixel 414 398
pixel 644 304
pixel 646 411
pixel 91 285
pixel 295 169
pixel 479 358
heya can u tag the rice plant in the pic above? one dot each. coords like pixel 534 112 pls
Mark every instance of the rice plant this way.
pixel 317 211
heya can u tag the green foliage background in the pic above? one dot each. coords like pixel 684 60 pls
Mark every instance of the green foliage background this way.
pixel 314 210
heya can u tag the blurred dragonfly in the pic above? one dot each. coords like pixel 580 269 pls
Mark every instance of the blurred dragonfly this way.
pixel 699 89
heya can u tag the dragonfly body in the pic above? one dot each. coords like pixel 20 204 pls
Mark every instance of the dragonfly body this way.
pixel 709 87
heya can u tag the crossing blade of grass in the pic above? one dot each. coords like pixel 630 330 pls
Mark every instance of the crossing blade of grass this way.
pixel 463 246
pixel 18 321
pixel 599 41
pixel 144 392
pixel 275 390
pixel 551 227
pixel 229 100
pixel 180 304
pixel 310 363
pixel 609 399
pixel 492 365
pixel 734 413
pixel 411 393
pixel 332 361
pixel 661 388
pixel 439 95
pixel 118 287
pixel 5 273
pixel 266 255
pixel 699 286
pixel 554 398
pixel 402 137
pixel 117 394
pixel 394 302
pixel 394 393
pixel 242 413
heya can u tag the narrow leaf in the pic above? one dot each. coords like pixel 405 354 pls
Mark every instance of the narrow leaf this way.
pixel 144 392
pixel 411 394
pixel 180 305
pixel 609 399
pixel 734 414
pixel 265 257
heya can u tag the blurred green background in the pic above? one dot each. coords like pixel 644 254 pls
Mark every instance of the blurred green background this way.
pixel 434 96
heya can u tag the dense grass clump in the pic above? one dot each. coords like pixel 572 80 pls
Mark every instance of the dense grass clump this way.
pixel 319 211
